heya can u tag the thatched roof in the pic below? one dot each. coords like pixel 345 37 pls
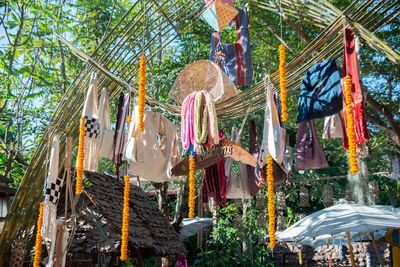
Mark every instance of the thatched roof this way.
pixel 99 221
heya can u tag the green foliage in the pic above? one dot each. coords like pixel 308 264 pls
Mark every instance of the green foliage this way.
pixel 225 247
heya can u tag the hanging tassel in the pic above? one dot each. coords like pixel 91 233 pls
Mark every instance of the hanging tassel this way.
pixel 191 186
pixel 125 220
pixel 142 92
pixel 38 244
pixel 300 257
pixel 282 75
pixel 350 127
pixel 271 202
pixel 80 157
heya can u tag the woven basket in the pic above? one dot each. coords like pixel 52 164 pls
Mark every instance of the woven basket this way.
pixel 18 252
pixel 304 197
pixel 327 195
pixel 203 75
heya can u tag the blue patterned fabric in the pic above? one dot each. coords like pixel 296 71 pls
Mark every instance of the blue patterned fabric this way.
pixel 320 93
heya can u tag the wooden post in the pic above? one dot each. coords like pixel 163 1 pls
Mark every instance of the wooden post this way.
pixel 353 263
pixel 376 249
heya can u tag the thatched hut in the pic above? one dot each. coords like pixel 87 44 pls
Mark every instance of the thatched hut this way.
pixel 97 236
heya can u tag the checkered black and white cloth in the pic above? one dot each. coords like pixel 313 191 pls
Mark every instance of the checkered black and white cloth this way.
pixel 92 127
pixel 53 191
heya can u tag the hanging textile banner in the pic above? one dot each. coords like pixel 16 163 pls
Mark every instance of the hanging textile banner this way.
pixel 54 185
pixel 234 59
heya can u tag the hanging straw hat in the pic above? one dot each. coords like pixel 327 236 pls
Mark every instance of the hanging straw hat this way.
pixel 203 75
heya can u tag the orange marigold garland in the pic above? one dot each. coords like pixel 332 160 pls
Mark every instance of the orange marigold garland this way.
pixel 191 187
pixel 271 202
pixel 129 119
pixel 282 75
pixel 142 92
pixel 351 134
pixel 125 219
pixel 80 157
pixel 38 244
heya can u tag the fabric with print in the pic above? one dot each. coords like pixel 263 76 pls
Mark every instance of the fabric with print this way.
pixel 119 136
pixel 235 59
pixel 53 186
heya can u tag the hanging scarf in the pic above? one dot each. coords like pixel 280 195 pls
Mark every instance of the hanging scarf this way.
pixel 119 136
pixel 198 121
pixel 254 149
pixel 52 194
pixel 351 67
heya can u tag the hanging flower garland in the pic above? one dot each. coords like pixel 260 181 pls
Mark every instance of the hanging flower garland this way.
pixel 271 202
pixel 350 126
pixel 282 75
pixel 129 119
pixel 80 157
pixel 142 92
pixel 191 186
pixel 300 257
pixel 125 219
pixel 38 244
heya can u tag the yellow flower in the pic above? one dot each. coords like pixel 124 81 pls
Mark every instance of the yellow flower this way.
pixel 125 219
pixel 80 157
pixel 271 202
pixel 38 243
pixel 351 135
pixel 191 187
pixel 282 75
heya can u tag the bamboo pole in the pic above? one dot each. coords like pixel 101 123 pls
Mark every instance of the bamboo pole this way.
pixel 376 249
pixel 353 263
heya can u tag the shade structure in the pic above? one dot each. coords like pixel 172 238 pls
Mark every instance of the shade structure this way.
pixel 341 218
pixel 219 14
pixel 191 226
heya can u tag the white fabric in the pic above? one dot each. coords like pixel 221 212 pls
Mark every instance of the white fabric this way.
pixel 191 226
pixel 341 218
pixel 153 152
pixel 333 127
pixel 49 227
pixel 273 142
pixel 90 112
pixel 237 183
pixel 106 133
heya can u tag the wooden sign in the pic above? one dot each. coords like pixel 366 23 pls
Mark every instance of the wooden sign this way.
pixel 225 149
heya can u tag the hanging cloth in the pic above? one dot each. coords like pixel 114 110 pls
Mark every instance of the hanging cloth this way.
pixel 214 183
pixel 153 152
pixel 52 194
pixel 119 136
pixel 320 94
pixel 351 67
pixel 254 149
pixel 273 142
pixel 92 125
pixel 234 59
pixel 238 184
pixel 333 127
pixel 106 132
pixel 309 154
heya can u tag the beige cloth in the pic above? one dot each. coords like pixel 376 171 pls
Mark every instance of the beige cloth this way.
pixel 153 152
pixel 92 137
pixel 333 127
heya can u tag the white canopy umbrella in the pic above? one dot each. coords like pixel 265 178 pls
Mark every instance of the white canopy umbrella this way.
pixel 191 226
pixel 341 218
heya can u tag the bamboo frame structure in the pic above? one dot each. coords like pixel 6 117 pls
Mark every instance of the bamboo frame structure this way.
pixel 118 53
